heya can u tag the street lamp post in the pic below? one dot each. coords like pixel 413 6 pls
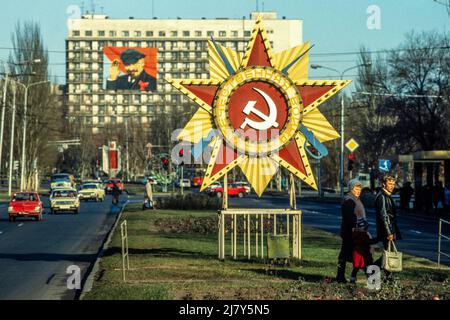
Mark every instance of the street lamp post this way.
pixel 5 89
pixel 22 171
pixel 2 124
pixel 11 149
pixel 341 76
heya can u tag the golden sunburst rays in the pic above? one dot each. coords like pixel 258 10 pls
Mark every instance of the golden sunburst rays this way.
pixel 230 72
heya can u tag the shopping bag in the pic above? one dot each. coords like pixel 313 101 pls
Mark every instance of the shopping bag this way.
pixel 392 259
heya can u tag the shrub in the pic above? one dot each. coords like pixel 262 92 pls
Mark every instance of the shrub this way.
pixel 189 202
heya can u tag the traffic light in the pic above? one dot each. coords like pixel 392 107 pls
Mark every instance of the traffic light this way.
pixel 351 158
pixel 165 163
pixel 181 154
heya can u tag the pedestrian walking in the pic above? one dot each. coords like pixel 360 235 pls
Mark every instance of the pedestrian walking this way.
pixel 148 196
pixel 386 217
pixel 351 209
pixel 406 193
pixel 447 198
pixel 438 197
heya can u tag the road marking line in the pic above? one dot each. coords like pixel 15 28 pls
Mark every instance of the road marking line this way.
pixel 1 232
pixel 415 231
pixel 20 224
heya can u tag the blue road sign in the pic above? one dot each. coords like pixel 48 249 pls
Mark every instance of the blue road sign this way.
pixel 384 165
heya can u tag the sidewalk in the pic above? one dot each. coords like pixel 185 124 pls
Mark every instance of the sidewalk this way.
pixel 367 199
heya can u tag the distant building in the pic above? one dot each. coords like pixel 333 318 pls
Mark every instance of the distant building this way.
pixel 182 52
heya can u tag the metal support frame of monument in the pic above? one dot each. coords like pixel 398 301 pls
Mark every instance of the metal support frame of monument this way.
pixel 258 218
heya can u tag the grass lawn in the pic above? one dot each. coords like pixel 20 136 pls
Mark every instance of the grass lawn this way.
pixel 173 255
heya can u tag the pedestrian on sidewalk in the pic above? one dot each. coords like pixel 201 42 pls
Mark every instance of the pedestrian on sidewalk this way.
pixel 447 198
pixel 386 216
pixel 438 197
pixel 148 196
pixel 406 193
pixel 362 247
pixel 351 209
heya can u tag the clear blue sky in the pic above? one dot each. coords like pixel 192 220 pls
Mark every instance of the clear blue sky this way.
pixel 332 25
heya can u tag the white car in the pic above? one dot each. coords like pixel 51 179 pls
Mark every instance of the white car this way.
pixel 185 183
pixel 245 185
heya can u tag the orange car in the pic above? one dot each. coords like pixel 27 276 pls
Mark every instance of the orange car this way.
pixel 110 183
pixel 25 204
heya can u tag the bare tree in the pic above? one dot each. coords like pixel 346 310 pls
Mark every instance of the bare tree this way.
pixel 43 111
pixel 405 107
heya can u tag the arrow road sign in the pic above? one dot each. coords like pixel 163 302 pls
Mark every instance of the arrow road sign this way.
pixel 384 165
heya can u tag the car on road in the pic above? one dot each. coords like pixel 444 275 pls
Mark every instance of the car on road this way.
pixel 234 190
pixel 245 185
pixel 197 181
pixel 64 200
pixel 91 191
pixel 185 183
pixel 25 204
pixel 110 183
pixel 213 186
pixel 62 180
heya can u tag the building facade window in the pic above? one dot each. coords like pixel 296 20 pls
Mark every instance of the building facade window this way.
pixel 162 33
pixel 149 33
pixel 186 33
pixel 76 33
pixel 101 33
pixel 125 34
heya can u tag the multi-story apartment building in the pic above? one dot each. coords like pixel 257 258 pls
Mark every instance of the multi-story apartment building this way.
pixel 182 53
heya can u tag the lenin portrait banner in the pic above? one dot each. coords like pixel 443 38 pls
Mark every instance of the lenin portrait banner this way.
pixel 131 68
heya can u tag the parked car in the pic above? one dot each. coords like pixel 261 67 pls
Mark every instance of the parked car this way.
pixel 185 183
pixel 25 204
pixel 245 185
pixel 197 181
pixel 64 200
pixel 233 191
pixel 110 183
pixel 91 191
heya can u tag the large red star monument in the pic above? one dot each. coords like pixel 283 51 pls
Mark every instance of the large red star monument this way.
pixel 264 109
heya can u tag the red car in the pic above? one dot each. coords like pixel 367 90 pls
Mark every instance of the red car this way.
pixel 25 204
pixel 233 191
pixel 197 181
pixel 110 183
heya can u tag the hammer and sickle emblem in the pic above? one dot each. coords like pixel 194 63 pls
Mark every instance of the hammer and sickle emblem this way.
pixel 269 120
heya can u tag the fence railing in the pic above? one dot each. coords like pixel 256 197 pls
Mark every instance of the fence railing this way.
pixel 441 221
pixel 251 225
pixel 125 255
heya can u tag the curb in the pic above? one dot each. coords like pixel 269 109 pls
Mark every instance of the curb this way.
pixel 90 274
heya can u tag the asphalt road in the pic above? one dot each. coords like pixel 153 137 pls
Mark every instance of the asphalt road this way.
pixel 34 255
pixel 420 234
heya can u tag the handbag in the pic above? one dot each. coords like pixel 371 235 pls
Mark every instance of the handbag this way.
pixel 392 259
